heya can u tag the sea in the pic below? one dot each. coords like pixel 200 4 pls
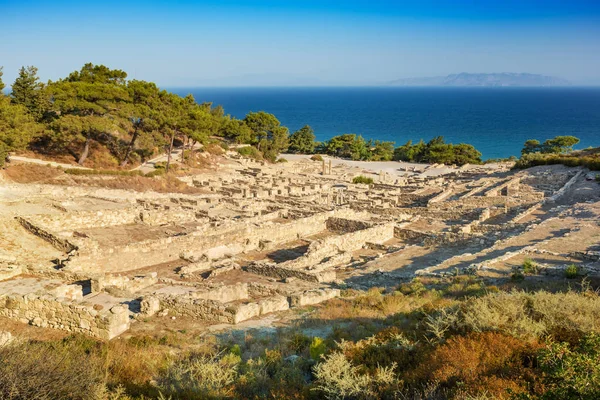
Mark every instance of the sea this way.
pixel 497 121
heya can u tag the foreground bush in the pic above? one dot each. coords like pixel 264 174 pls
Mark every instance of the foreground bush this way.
pixel 40 371
pixel 201 376
pixel 523 315
pixel 337 378
pixel 571 372
pixel 481 363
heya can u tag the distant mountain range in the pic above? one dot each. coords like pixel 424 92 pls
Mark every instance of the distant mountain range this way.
pixel 496 79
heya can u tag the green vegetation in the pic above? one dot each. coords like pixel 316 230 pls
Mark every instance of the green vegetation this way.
pixel 317 157
pixel 99 118
pixel 362 180
pixel 560 144
pixel 438 151
pixel 558 151
pixel 529 267
pixel 572 271
pixel 585 158
pixel 250 152
pixel 451 338
pixel 302 141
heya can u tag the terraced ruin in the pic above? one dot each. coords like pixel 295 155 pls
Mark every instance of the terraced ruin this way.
pixel 258 239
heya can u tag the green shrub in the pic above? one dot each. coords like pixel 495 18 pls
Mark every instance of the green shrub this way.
pixel 414 287
pixel 572 271
pixel 362 180
pixel 201 376
pixel 250 152
pixel 521 314
pixel 571 372
pixel 236 350
pixel 281 160
pixel 156 172
pixel 223 145
pixel 570 160
pixel 529 267
pixel 317 157
pixel 337 378
pixel 517 276
pixel 317 348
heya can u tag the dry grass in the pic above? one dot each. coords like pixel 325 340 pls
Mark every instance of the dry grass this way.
pixel 160 184
pixel 31 173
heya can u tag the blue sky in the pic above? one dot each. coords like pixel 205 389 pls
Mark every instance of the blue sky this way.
pixel 308 42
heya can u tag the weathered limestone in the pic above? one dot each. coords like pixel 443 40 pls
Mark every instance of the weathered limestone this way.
pixel 225 293
pixel 313 297
pixel 273 304
pixel 9 270
pixel 45 311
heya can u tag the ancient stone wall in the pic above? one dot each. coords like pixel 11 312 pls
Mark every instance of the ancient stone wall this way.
pixel 45 311
pixel 343 225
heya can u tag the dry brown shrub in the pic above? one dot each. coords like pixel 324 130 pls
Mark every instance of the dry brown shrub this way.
pixel 481 363
pixel 31 173
pixel 214 149
pixel 160 184
pixel 134 366
pixel 40 371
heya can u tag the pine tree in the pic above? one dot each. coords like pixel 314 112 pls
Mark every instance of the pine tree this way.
pixel 1 82
pixel 29 92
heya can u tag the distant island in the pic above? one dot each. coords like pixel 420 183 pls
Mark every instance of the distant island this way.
pixel 494 79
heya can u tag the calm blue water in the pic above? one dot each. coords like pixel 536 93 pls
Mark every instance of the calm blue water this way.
pixel 497 121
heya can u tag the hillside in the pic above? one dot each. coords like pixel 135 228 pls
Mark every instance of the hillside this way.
pixel 495 79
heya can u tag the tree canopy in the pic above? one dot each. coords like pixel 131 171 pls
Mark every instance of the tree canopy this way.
pixel 302 141
pixel 1 81
pixel 28 91
pixel 438 151
pixel 558 145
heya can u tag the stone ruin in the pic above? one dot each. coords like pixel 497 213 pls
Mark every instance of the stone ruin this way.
pixel 261 239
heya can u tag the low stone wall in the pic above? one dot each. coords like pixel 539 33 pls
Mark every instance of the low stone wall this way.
pixel 564 189
pixel 313 297
pixel 239 236
pixel 207 310
pixel 343 225
pixel 225 293
pixel 441 197
pixel 526 213
pixel 280 272
pixel 45 311
pixel 123 282
pixel 495 191
pixel 215 311
pixel 332 246
pixel 60 244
